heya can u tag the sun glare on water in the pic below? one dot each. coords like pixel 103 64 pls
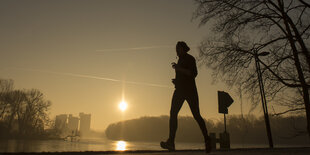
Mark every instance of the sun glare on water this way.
pixel 121 146
pixel 123 106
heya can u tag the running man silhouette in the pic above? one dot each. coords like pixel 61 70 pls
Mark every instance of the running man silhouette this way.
pixel 185 89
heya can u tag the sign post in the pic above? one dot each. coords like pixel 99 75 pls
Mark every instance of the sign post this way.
pixel 224 101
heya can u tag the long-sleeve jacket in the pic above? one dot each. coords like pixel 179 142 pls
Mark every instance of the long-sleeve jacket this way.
pixel 185 82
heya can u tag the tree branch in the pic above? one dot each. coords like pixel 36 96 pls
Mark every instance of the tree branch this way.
pixel 305 3
pixel 290 110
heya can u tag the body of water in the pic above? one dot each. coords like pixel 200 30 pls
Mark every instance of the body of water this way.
pixel 84 145
pixel 96 145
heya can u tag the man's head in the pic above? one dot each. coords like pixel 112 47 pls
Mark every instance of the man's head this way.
pixel 182 48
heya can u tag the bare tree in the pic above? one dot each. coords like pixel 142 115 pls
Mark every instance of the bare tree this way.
pixel 15 99
pixel 34 116
pixel 28 108
pixel 245 28
pixel 5 87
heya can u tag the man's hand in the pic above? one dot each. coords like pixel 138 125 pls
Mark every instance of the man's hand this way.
pixel 174 65
pixel 182 70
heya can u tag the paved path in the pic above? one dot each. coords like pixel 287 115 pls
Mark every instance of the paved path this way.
pixel 276 151
pixel 258 151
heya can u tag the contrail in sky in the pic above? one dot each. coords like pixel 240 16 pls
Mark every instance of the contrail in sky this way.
pixel 135 48
pixel 96 77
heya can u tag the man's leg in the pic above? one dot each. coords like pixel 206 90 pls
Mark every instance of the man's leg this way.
pixel 193 102
pixel 176 104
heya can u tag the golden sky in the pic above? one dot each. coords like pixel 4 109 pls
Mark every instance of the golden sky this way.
pixel 86 55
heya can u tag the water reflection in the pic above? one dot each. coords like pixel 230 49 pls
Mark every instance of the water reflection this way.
pixel 98 144
pixel 121 145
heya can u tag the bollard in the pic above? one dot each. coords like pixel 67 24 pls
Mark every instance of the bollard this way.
pixel 224 140
pixel 213 141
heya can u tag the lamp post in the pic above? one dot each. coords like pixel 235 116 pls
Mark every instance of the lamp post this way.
pixel 263 97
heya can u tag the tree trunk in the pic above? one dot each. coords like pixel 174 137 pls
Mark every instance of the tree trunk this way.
pixel 307 106
pixel 299 39
pixel 298 67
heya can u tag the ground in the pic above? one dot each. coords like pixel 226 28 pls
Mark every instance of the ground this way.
pixel 253 151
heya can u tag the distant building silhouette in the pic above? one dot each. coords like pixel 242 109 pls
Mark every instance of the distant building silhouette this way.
pixel 61 122
pixel 70 125
pixel 73 124
pixel 85 123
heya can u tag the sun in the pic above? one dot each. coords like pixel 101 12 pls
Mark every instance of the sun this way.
pixel 123 106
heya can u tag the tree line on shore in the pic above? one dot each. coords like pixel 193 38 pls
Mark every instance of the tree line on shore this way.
pixel 247 129
pixel 23 113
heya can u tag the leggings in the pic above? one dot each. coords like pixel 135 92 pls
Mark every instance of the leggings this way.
pixel 177 102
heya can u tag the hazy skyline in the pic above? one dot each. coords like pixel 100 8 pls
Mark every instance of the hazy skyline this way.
pixel 86 55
